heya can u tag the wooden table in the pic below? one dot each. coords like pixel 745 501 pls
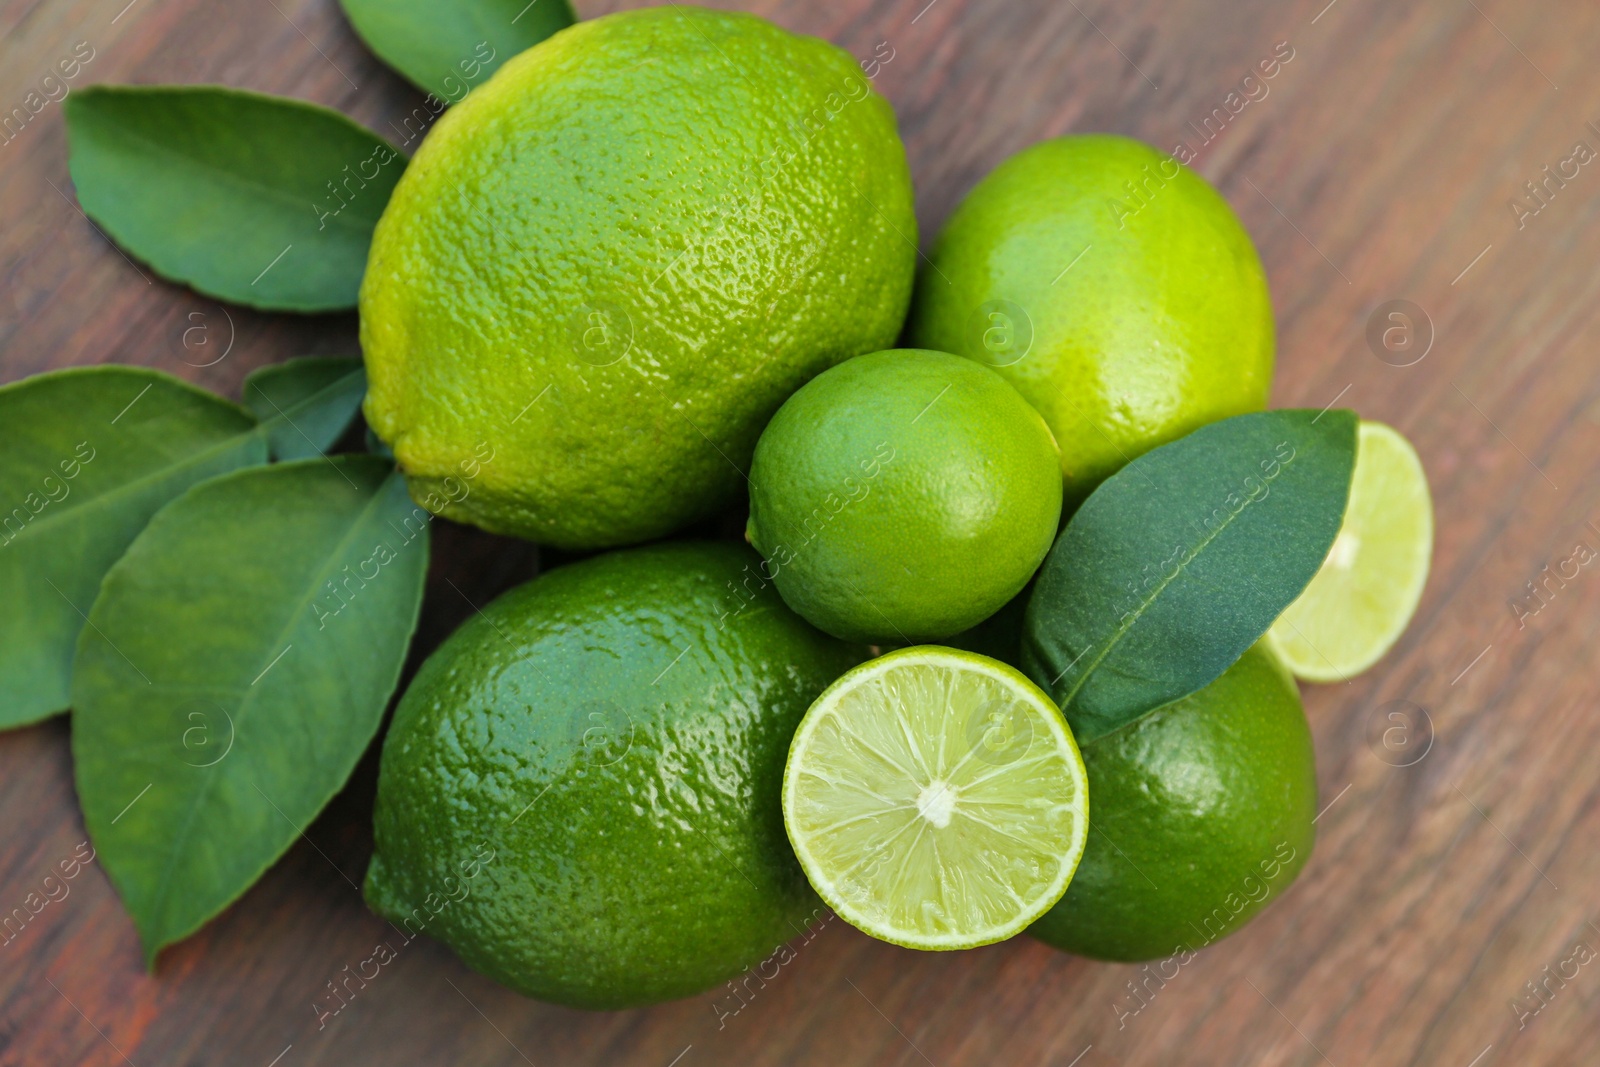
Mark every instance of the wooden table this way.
pixel 1457 858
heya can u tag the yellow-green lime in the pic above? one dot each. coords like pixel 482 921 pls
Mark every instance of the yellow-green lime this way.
pixel 1113 287
pixel 936 799
pixel 607 267
pixel 903 496
pixel 580 792
pixel 1361 599
pixel 1203 814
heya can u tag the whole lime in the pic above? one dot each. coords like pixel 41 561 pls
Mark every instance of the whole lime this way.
pixel 607 267
pixel 903 496
pixel 580 792
pixel 1202 814
pixel 1113 287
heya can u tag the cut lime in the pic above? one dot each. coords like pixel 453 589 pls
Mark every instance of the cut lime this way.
pixel 936 799
pixel 1361 600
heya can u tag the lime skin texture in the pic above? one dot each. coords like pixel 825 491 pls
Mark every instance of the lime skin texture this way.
pixel 613 261
pixel 1202 815
pixel 1113 287
pixel 903 496
pixel 612 735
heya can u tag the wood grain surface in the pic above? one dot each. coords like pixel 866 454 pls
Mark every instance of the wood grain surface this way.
pixel 1457 857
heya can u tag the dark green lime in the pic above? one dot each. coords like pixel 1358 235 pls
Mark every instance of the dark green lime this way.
pixel 1200 815
pixel 580 793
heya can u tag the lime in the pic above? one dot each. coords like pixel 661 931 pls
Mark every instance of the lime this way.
pixel 1359 603
pixel 903 496
pixel 605 269
pixel 1113 287
pixel 580 791
pixel 936 799
pixel 1202 814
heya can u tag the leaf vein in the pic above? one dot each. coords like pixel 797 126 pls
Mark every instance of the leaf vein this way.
pixel 159 898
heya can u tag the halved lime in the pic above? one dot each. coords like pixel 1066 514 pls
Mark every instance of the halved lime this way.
pixel 1361 600
pixel 936 799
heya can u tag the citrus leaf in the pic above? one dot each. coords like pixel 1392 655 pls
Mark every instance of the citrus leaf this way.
pixel 235 666
pixel 305 405
pixel 255 199
pixel 86 457
pixel 445 48
pixel 1179 561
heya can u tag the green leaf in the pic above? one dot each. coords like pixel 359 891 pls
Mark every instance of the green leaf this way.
pixel 1179 561
pixel 376 446
pixel 237 663
pixel 305 405
pixel 446 47
pixel 86 457
pixel 259 200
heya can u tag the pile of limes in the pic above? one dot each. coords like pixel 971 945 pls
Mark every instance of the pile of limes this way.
pixel 657 263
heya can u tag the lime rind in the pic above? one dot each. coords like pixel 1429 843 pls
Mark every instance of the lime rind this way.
pixel 936 799
pixel 1363 597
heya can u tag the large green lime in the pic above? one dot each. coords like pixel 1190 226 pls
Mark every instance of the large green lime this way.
pixel 1202 814
pixel 903 496
pixel 1113 287
pixel 608 266
pixel 580 792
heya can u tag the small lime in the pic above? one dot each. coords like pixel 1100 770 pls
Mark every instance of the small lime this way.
pixel 903 496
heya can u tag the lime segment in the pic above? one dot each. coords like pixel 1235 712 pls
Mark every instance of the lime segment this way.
pixel 936 799
pixel 1361 600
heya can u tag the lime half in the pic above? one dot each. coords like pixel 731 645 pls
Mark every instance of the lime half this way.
pixel 1361 600
pixel 936 799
